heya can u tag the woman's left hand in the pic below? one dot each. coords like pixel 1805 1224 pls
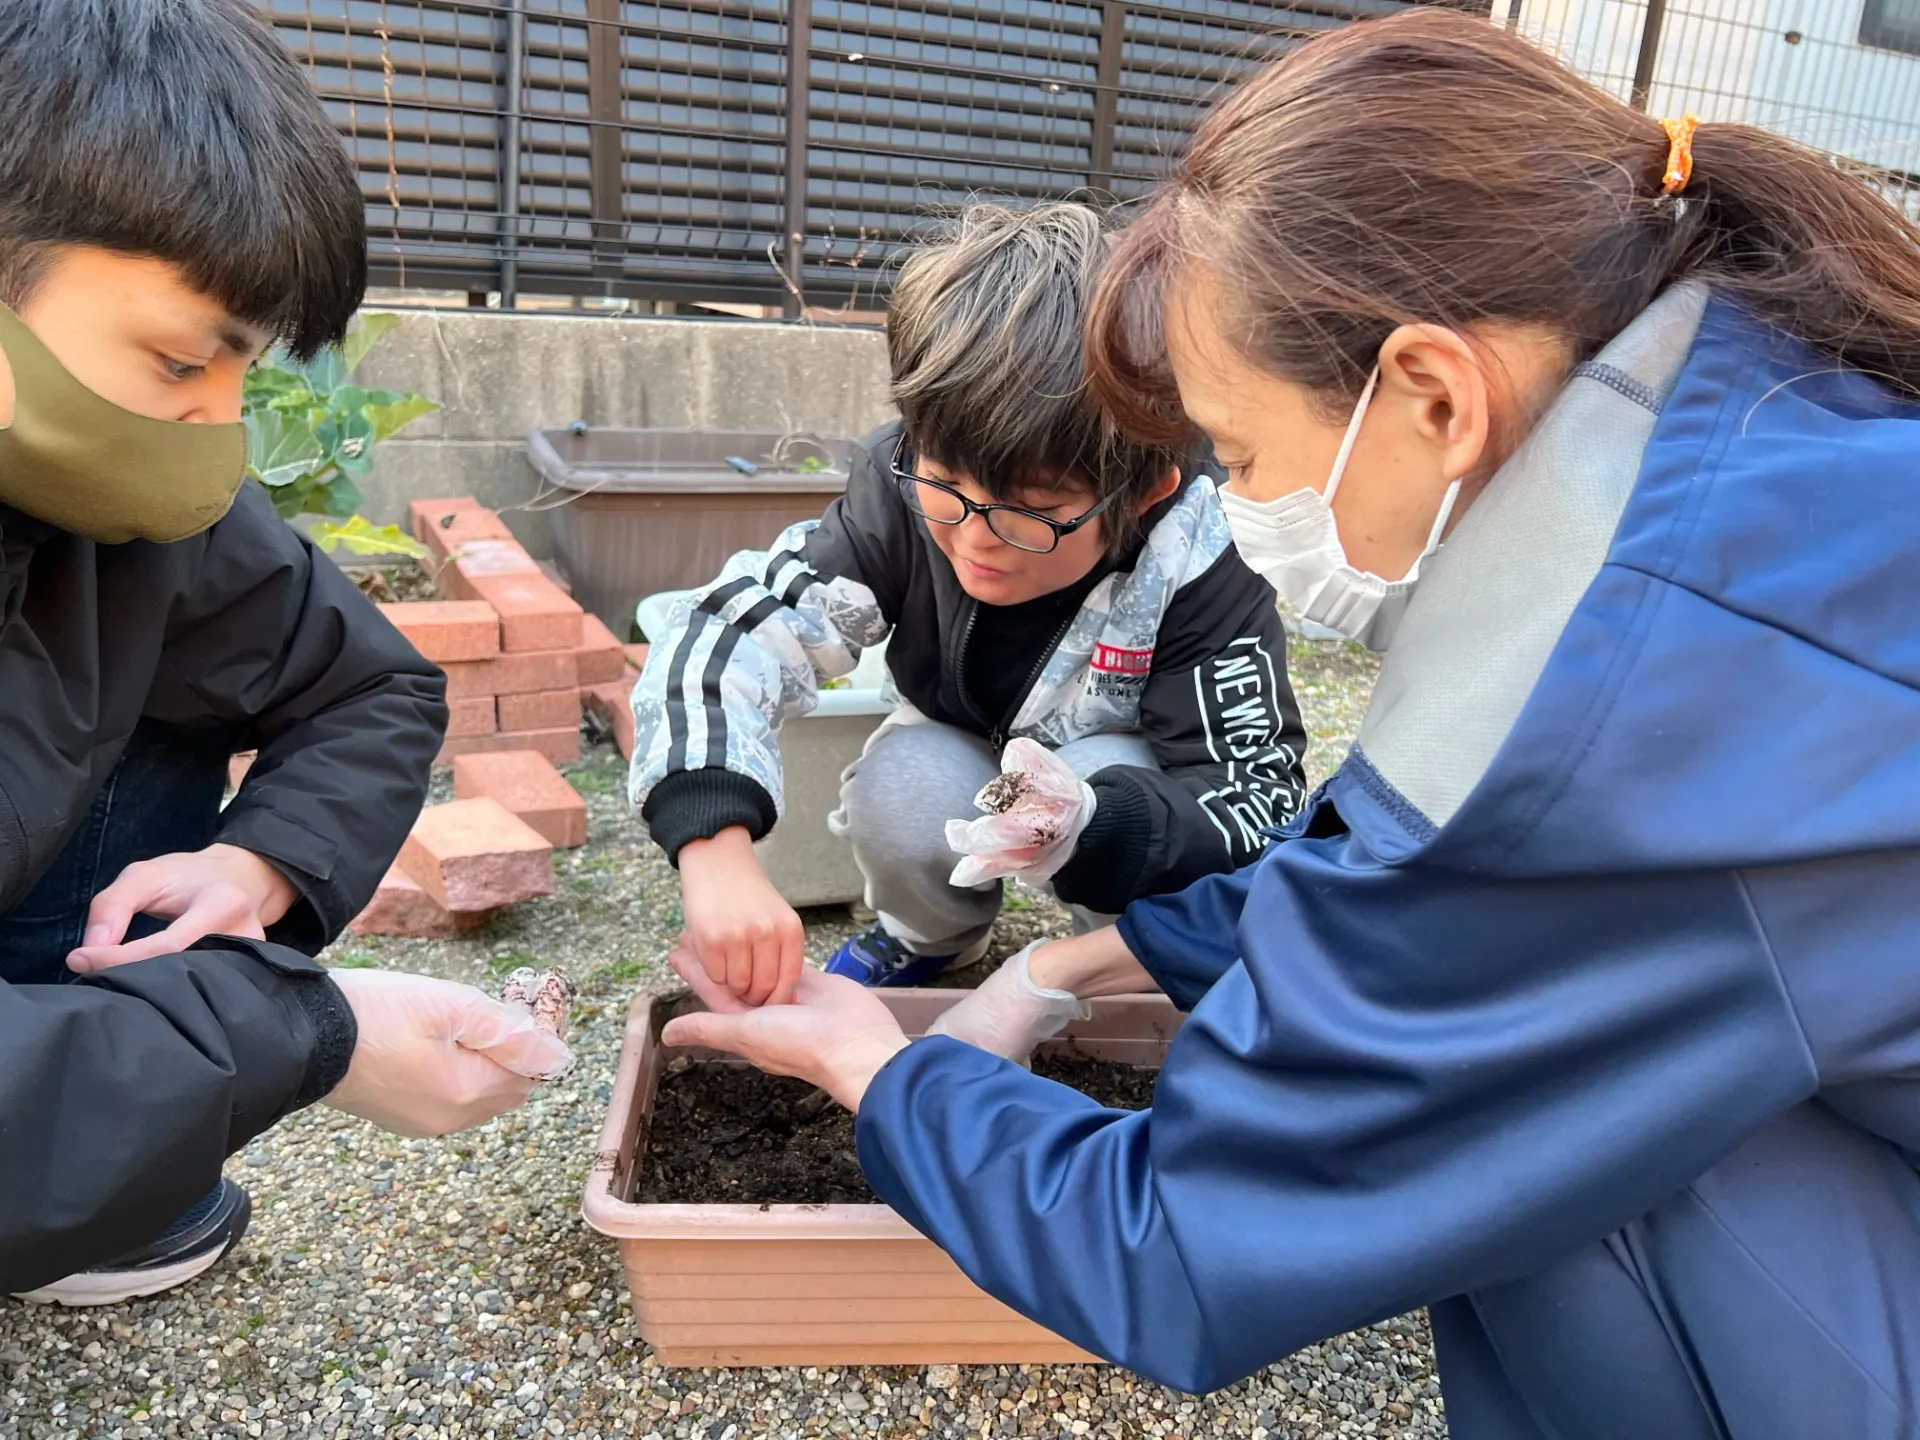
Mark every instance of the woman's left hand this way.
pixel 835 1034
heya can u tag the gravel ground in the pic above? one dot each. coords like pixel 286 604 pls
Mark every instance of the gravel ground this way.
pixel 449 1288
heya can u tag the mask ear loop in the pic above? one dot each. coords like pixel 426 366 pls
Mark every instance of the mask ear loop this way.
pixel 1435 535
pixel 1339 471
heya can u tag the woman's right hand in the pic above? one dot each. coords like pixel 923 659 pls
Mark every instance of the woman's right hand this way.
pixel 1008 1014
pixel 1040 991
pixel 435 1056
pixel 745 936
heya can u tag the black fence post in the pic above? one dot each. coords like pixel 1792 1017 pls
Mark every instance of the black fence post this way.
pixel 510 155
pixel 1649 55
pixel 606 162
pixel 799 102
pixel 1106 97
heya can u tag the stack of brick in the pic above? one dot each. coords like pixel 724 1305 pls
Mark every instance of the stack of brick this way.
pixel 518 650
pixel 490 847
pixel 612 702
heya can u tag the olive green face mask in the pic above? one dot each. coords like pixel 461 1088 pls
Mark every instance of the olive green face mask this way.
pixel 75 460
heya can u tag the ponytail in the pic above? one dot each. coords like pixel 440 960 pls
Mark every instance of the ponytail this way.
pixel 1802 242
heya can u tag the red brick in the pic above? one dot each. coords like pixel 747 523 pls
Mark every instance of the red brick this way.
pixel 599 657
pixel 449 532
pixel 459 575
pixel 400 907
pixel 561 746
pixel 534 614
pixel 477 855
pixel 474 715
pixel 237 769
pixel 636 655
pixel 443 630
pixel 527 784
pixel 422 515
pixel 613 704
pixel 552 572
pixel 542 710
pixel 511 674
pixel 495 555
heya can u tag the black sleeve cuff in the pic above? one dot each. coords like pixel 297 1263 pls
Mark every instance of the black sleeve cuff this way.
pixel 1104 873
pixel 691 805
pixel 335 1033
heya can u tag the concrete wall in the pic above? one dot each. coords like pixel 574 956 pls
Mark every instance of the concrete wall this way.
pixel 498 376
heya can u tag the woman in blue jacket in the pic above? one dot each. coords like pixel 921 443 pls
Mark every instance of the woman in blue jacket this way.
pixel 1582 1005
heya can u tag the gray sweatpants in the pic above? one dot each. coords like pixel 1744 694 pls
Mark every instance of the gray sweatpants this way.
pixel 895 803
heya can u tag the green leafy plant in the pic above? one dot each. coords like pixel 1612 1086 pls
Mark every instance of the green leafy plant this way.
pixel 311 433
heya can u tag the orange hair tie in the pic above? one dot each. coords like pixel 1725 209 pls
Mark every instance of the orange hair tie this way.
pixel 1679 153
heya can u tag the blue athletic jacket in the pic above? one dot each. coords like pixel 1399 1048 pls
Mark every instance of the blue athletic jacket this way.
pixel 1626 862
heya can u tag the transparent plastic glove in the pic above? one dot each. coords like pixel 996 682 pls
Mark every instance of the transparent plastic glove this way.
pixel 435 1057
pixel 1036 809
pixel 1009 1014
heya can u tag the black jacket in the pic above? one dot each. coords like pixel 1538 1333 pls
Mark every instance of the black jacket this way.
pixel 121 1094
pixel 1179 641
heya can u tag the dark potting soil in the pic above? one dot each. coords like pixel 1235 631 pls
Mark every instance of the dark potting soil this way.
pixel 729 1135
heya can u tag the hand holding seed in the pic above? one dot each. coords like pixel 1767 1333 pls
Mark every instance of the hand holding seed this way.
pixel 548 994
pixel 1036 808
pixel 835 1033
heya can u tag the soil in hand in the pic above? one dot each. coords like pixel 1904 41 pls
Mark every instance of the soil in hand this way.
pixel 729 1135
pixel 1003 792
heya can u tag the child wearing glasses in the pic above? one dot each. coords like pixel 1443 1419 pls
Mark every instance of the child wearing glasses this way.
pixel 1040 576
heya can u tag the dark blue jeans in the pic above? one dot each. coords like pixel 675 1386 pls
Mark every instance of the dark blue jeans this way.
pixel 163 797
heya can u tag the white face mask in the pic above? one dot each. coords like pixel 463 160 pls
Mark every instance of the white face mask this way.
pixel 1294 542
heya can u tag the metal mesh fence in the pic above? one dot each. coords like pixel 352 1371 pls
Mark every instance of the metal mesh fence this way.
pixel 1842 76
pixel 762 151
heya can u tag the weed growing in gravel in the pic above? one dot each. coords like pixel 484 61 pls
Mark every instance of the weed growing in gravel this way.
pixel 592 780
pixel 353 960
pixel 505 962
pixel 619 972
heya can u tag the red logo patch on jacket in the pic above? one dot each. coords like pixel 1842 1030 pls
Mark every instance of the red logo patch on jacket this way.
pixel 1111 660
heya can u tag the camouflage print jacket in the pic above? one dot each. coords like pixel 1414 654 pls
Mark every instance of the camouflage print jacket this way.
pixel 1178 643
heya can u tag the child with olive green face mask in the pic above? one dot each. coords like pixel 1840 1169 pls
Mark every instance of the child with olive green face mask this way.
pixel 172 201
pixel 124 423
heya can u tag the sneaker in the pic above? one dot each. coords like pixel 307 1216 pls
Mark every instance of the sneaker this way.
pixel 875 958
pixel 192 1244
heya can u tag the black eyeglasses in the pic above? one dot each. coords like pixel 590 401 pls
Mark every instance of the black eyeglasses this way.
pixel 944 505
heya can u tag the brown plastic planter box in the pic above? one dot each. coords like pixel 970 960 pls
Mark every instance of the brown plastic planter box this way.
pixel 815 1284
pixel 651 510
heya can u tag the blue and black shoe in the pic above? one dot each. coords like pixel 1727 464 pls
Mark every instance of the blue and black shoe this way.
pixel 875 959
pixel 194 1243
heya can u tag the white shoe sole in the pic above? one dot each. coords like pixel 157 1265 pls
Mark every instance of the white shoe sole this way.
pixel 112 1287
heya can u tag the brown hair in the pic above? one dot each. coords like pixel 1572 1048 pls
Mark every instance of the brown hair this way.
pixel 1430 167
pixel 983 332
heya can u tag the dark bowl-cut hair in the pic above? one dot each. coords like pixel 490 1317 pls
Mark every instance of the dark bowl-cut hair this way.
pixel 180 130
pixel 984 335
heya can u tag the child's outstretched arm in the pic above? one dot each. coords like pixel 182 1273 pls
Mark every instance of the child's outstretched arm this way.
pixel 742 656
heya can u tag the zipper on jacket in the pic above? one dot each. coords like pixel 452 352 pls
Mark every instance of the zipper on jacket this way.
pixel 959 661
pixel 999 737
